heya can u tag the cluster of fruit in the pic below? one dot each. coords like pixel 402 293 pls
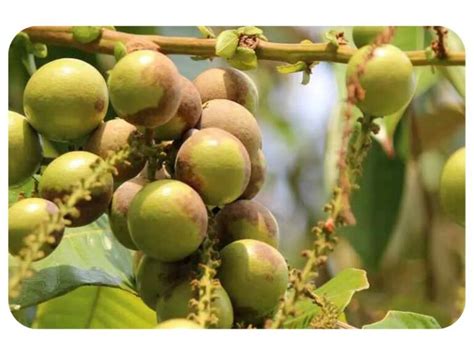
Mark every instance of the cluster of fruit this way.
pixel 216 166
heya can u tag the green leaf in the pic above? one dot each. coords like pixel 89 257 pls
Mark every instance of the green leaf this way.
pixel 332 38
pixel 404 320
pixel 26 189
pixel 227 43
pixel 250 31
pixel 88 255
pixel 92 307
pixel 86 34
pixel 375 205
pixel 339 290
pixel 244 59
pixel 456 75
pixel 40 50
pixel 120 50
pixel 292 68
pixel 206 32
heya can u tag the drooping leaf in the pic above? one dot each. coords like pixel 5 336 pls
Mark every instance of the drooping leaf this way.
pixel 95 307
pixel 375 205
pixel 339 290
pixel 86 34
pixel 404 320
pixel 226 43
pixel 244 59
pixel 88 255
pixel 292 68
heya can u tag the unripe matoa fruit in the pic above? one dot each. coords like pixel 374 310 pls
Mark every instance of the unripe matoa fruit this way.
pixel 258 171
pixel 180 323
pixel 24 149
pixel 111 136
pixel 245 219
pixel 387 79
pixel 453 186
pixel 66 99
pixel 64 172
pixel 175 304
pixel 24 217
pixel 167 220
pixel 235 119
pixel 364 35
pixel 121 200
pixel 215 164
pixel 186 117
pixel 155 278
pixel 227 83
pixel 145 88
pixel 255 275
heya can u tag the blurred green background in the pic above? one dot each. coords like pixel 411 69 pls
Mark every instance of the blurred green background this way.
pixel 414 255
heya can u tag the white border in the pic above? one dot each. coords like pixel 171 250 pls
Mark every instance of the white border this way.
pixel 15 15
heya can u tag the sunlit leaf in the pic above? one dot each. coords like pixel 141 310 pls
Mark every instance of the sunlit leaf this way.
pixel 92 307
pixel 404 320
pixel 226 43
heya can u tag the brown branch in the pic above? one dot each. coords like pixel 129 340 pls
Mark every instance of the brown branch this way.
pixel 202 47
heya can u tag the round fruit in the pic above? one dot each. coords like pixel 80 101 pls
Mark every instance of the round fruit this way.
pixel 255 276
pixel 155 279
pixel 364 35
pixel 119 206
pixel 186 117
pixel 67 170
pixel 167 220
pixel 235 119
pixel 111 136
pixel 175 304
pixel 387 79
pixel 453 186
pixel 179 323
pixel 24 150
pixel 258 170
pixel 145 88
pixel 66 99
pixel 245 219
pixel 215 164
pixel 227 83
pixel 24 217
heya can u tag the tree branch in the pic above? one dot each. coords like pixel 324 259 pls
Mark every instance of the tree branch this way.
pixel 282 52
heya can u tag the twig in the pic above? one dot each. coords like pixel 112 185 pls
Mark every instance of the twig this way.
pixel 203 47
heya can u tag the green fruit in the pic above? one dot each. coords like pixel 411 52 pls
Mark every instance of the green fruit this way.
pixel 145 88
pixel 175 304
pixel 387 79
pixel 364 35
pixel 66 99
pixel 24 150
pixel 155 279
pixel 24 217
pixel 255 276
pixel 235 119
pixel 167 220
pixel 258 170
pixel 245 219
pixel 453 186
pixel 119 206
pixel 230 84
pixel 111 136
pixel 64 172
pixel 215 164
pixel 178 324
pixel 186 117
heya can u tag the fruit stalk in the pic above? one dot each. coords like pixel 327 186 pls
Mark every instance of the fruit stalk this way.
pixel 203 47
pixel 205 284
